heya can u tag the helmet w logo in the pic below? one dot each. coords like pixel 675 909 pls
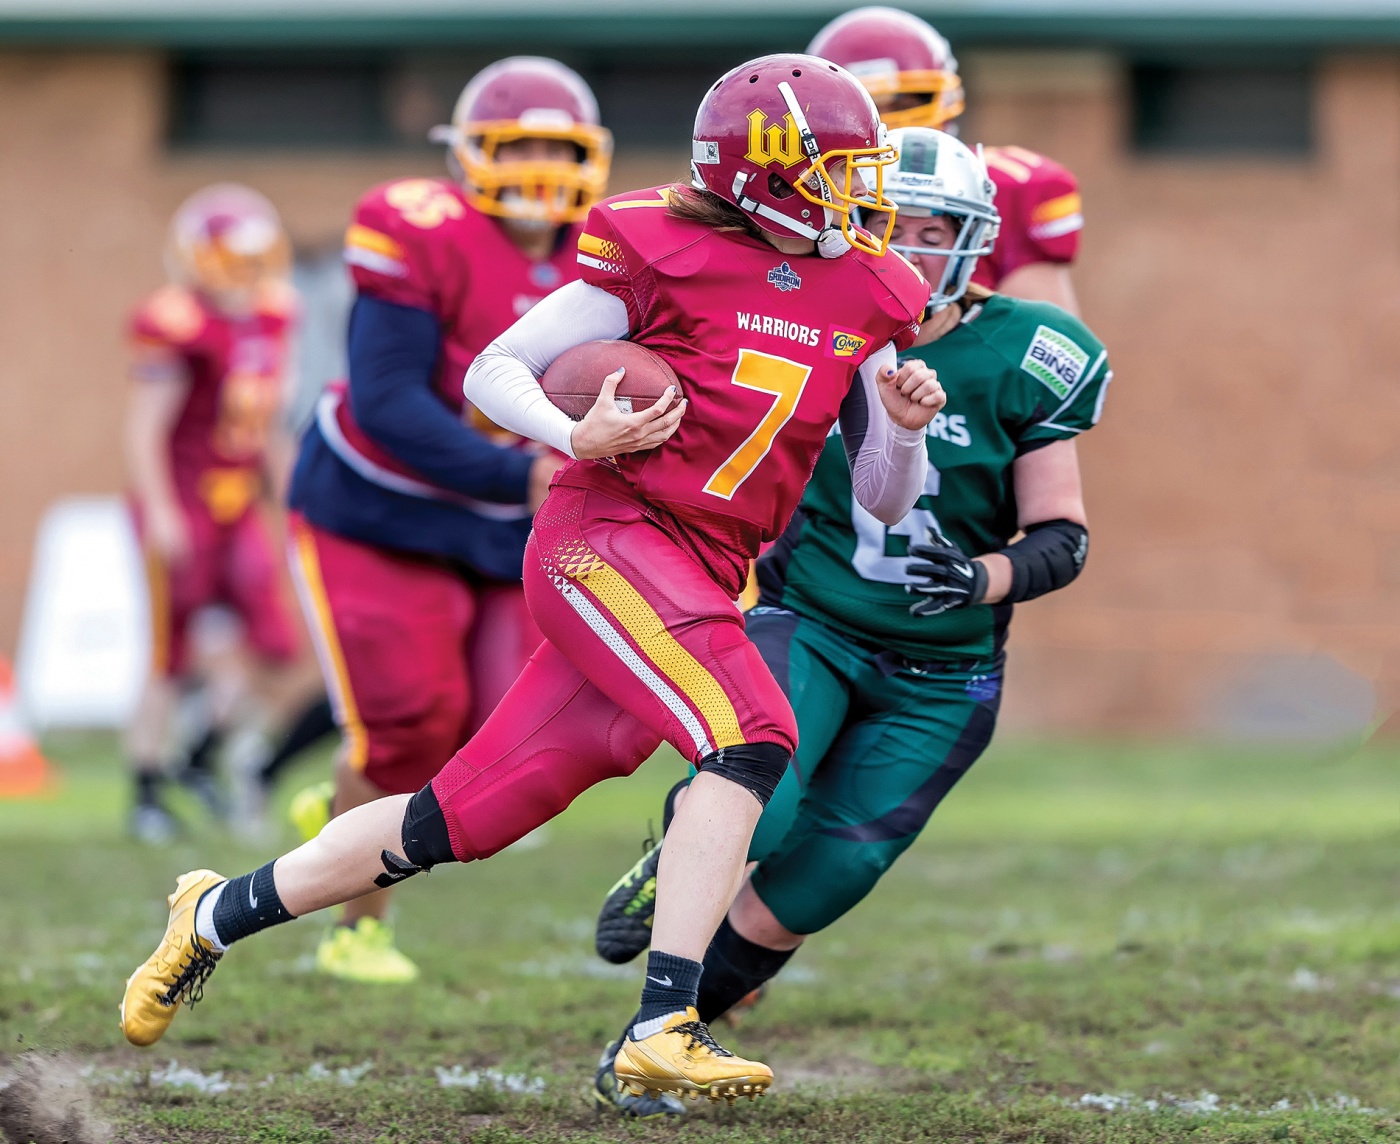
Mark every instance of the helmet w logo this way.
pixel 773 143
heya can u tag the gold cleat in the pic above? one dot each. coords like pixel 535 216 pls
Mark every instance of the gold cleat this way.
pixel 176 971
pixel 683 1058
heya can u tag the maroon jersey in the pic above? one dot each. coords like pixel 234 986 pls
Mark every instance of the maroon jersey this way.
pixel 418 242
pixel 765 346
pixel 236 369
pixel 1041 218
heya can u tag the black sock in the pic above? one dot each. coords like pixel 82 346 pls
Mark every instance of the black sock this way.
pixel 315 722
pixel 734 968
pixel 670 987
pixel 148 787
pixel 202 754
pixel 248 904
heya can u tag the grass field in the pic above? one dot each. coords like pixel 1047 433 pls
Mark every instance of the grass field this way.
pixel 1092 942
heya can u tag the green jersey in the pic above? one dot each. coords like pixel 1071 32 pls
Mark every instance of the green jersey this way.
pixel 1019 375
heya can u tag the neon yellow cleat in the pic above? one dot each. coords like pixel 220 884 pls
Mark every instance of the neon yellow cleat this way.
pixel 311 809
pixel 682 1057
pixel 176 971
pixel 366 954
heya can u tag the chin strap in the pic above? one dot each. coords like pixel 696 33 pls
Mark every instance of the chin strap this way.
pixel 831 243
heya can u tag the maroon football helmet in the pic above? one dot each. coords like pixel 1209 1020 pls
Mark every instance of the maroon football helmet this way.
pixel 796 142
pixel 528 97
pixel 900 59
pixel 227 242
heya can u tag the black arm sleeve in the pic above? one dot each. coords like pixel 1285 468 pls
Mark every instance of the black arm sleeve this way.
pixel 1048 557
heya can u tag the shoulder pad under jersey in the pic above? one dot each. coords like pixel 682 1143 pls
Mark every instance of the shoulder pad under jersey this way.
pixel 398 246
pixel 904 295
pixel 1039 202
pixel 279 301
pixel 172 316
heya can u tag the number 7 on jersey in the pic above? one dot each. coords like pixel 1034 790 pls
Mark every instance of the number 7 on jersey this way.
pixel 764 373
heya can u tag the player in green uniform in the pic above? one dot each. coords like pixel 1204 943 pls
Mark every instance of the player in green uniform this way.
pixel 893 707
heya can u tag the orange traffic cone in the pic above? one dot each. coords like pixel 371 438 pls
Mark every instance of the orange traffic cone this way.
pixel 23 769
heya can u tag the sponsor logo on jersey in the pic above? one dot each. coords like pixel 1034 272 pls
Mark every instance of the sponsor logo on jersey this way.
pixel 778 328
pixel 773 142
pixel 1055 361
pixel 784 278
pixel 844 344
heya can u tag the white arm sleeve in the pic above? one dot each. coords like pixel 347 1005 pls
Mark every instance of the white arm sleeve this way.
pixel 502 381
pixel 888 462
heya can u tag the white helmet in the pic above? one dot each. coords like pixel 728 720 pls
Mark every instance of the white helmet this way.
pixel 937 174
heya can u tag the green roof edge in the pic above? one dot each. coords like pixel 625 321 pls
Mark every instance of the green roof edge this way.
pixel 604 30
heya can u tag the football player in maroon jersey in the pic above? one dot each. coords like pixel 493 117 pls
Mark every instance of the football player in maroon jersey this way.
pixel 209 363
pixel 910 71
pixel 780 316
pixel 410 508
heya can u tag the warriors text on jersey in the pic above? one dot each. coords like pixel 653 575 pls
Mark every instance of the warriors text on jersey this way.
pixel 236 368
pixel 765 347
pixel 418 245
pixel 1041 218
pixel 1019 375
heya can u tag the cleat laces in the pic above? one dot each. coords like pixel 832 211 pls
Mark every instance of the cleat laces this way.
pixel 188 985
pixel 697 1033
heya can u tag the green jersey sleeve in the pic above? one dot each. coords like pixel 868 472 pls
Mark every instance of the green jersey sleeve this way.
pixel 1063 368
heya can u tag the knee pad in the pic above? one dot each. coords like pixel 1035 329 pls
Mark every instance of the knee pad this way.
pixel 425 841
pixel 757 767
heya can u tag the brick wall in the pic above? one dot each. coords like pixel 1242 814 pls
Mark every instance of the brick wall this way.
pixel 1244 487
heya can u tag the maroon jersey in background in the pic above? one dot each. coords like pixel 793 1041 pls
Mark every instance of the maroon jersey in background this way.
pixel 419 243
pixel 236 368
pixel 1041 214
pixel 765 346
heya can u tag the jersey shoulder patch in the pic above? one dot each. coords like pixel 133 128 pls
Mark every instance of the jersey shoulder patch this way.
pixel 1039 340
pixel 171 316
pixel 1055 360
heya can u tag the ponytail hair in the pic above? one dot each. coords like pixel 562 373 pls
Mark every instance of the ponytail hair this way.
pixel 708 208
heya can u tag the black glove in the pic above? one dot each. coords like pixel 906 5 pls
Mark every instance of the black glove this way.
pixel 945 576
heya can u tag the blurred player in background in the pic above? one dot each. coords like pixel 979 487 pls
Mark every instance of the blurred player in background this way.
pixel 891 709
pixel 204 443
pixel 911 73
pixel 411 509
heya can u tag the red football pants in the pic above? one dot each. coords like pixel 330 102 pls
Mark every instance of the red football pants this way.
pixel 230 564
pixel 641 645
pixel 414 656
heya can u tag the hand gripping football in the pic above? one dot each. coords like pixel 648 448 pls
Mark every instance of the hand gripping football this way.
pixel 575 378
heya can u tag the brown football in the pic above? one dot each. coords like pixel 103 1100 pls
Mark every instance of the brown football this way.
pixel 575 378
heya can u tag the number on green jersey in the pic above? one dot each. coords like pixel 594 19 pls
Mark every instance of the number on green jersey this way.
pixel 882 550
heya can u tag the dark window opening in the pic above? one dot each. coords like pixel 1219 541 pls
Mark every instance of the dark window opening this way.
pixel 1223 109
pixel 258 101
pixel 391 98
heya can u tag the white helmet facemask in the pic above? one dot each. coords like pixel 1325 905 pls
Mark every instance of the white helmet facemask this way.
pixel 939 175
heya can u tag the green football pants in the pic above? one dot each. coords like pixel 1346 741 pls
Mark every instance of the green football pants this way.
pixel 880 744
